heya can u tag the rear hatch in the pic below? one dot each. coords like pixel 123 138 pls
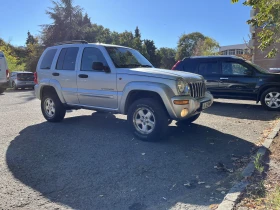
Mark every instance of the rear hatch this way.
pixel 25 77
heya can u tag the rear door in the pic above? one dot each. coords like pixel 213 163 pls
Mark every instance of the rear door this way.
pixel 65 73
pixel 210 70
pixel 238 79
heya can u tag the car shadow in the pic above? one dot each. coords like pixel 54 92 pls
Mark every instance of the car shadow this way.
pixel 242 111
pixel 93 162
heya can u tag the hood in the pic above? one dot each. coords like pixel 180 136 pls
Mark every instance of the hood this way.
pixel 162 73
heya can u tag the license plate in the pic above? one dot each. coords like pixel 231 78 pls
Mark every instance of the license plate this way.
pixel 29 83
pixel 206 104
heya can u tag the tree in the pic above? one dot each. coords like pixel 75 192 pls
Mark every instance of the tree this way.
pixel 268 18
pixel 195 44
pixel 187 43
pixel 167 57
pixel 151 50
pixel 137 33
pixel 68 23
pixel 30 39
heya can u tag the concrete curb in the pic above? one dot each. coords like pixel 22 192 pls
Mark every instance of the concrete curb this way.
pixel 230 199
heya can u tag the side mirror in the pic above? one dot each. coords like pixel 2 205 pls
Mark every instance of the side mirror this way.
pixel 98 66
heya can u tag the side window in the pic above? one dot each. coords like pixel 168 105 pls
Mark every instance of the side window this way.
pixel 232 68
pixel 208 68
pixel 67 58
pixel 48 59
pixel 189 66
pixel 90 55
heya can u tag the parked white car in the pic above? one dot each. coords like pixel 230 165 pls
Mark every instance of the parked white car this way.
pixel 4 73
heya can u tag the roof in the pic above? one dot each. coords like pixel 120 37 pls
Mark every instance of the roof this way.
pixel 214 56
pixel 82 42
pixel 21 72
pixel 233 47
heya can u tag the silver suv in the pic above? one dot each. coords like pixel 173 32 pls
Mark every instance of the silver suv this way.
pixel 117 79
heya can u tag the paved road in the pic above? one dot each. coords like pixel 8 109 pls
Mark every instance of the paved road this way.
pixel 91 160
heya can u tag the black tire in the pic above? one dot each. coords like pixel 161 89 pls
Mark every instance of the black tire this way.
pixel 60 110
pixel 265 97
pixel 14 86
pixel 2 90
pixel 159 116
pixel 189 120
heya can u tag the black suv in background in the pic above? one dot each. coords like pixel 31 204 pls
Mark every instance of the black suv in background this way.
pixel 232 77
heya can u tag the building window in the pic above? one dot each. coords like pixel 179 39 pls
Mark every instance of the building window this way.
pixel 224 52
pixel 246 51
pixel 239 52
pixel 231 52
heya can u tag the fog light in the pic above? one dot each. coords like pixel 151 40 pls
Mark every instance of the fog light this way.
pixel 184 112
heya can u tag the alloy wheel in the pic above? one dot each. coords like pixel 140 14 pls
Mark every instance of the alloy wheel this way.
pixel 144 120
pixel 272 100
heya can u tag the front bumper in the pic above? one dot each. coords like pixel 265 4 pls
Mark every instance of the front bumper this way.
pixel 194 106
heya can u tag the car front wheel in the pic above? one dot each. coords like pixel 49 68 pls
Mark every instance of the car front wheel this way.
pixel 52 108
pixel 148 119
pixel 270 99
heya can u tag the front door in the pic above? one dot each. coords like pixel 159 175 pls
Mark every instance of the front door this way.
pixel 96 88
pixel 237 80
pixel 66 75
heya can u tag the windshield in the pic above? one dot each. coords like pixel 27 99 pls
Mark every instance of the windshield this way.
pixel 127 58
pixel 258 67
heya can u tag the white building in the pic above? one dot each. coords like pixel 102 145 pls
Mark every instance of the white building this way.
pixel 237 49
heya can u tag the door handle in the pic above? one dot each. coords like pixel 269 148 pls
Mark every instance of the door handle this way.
pixel 83 75
pixel 223 78
pixel 55 74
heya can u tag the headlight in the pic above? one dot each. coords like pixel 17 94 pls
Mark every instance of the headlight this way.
pixel 187 90
pixel 181 86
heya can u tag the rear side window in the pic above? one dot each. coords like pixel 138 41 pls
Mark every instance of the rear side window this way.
pixel 91 55
pixel 208 68
pixel 67 58
pixel 189 66
pixel 48 59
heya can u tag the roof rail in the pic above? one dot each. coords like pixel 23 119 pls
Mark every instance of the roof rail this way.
pixel 72 42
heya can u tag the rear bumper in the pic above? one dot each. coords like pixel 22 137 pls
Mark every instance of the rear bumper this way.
pixel 20 84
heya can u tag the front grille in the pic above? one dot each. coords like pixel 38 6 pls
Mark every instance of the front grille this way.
pixel 197 89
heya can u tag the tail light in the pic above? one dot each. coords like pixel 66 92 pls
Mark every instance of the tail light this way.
pixel 35 78
pixel 7 74
pixel 176 64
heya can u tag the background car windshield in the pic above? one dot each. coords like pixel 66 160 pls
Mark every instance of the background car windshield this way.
pixel 127 58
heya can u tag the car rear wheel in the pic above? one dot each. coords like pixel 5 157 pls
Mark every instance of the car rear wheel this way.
pixel 270 99
pixel 52 108
pixel 2 90
pixel 148 119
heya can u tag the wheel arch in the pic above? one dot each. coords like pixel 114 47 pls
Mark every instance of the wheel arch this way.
pixel 264 88
pixel 52 86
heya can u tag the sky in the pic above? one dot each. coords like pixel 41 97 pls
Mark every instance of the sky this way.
pixel 161 21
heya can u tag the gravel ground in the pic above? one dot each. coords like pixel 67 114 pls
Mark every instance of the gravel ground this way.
pixel 92 161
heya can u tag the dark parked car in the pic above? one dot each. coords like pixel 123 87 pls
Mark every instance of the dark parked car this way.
pixel 235 78
pixel 22 79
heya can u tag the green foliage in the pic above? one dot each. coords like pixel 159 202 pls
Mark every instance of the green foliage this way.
pixel 194 44
pixel 267 18
pixel 258 163
pixel 13 61
pixel 167 57
pixel 30 39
